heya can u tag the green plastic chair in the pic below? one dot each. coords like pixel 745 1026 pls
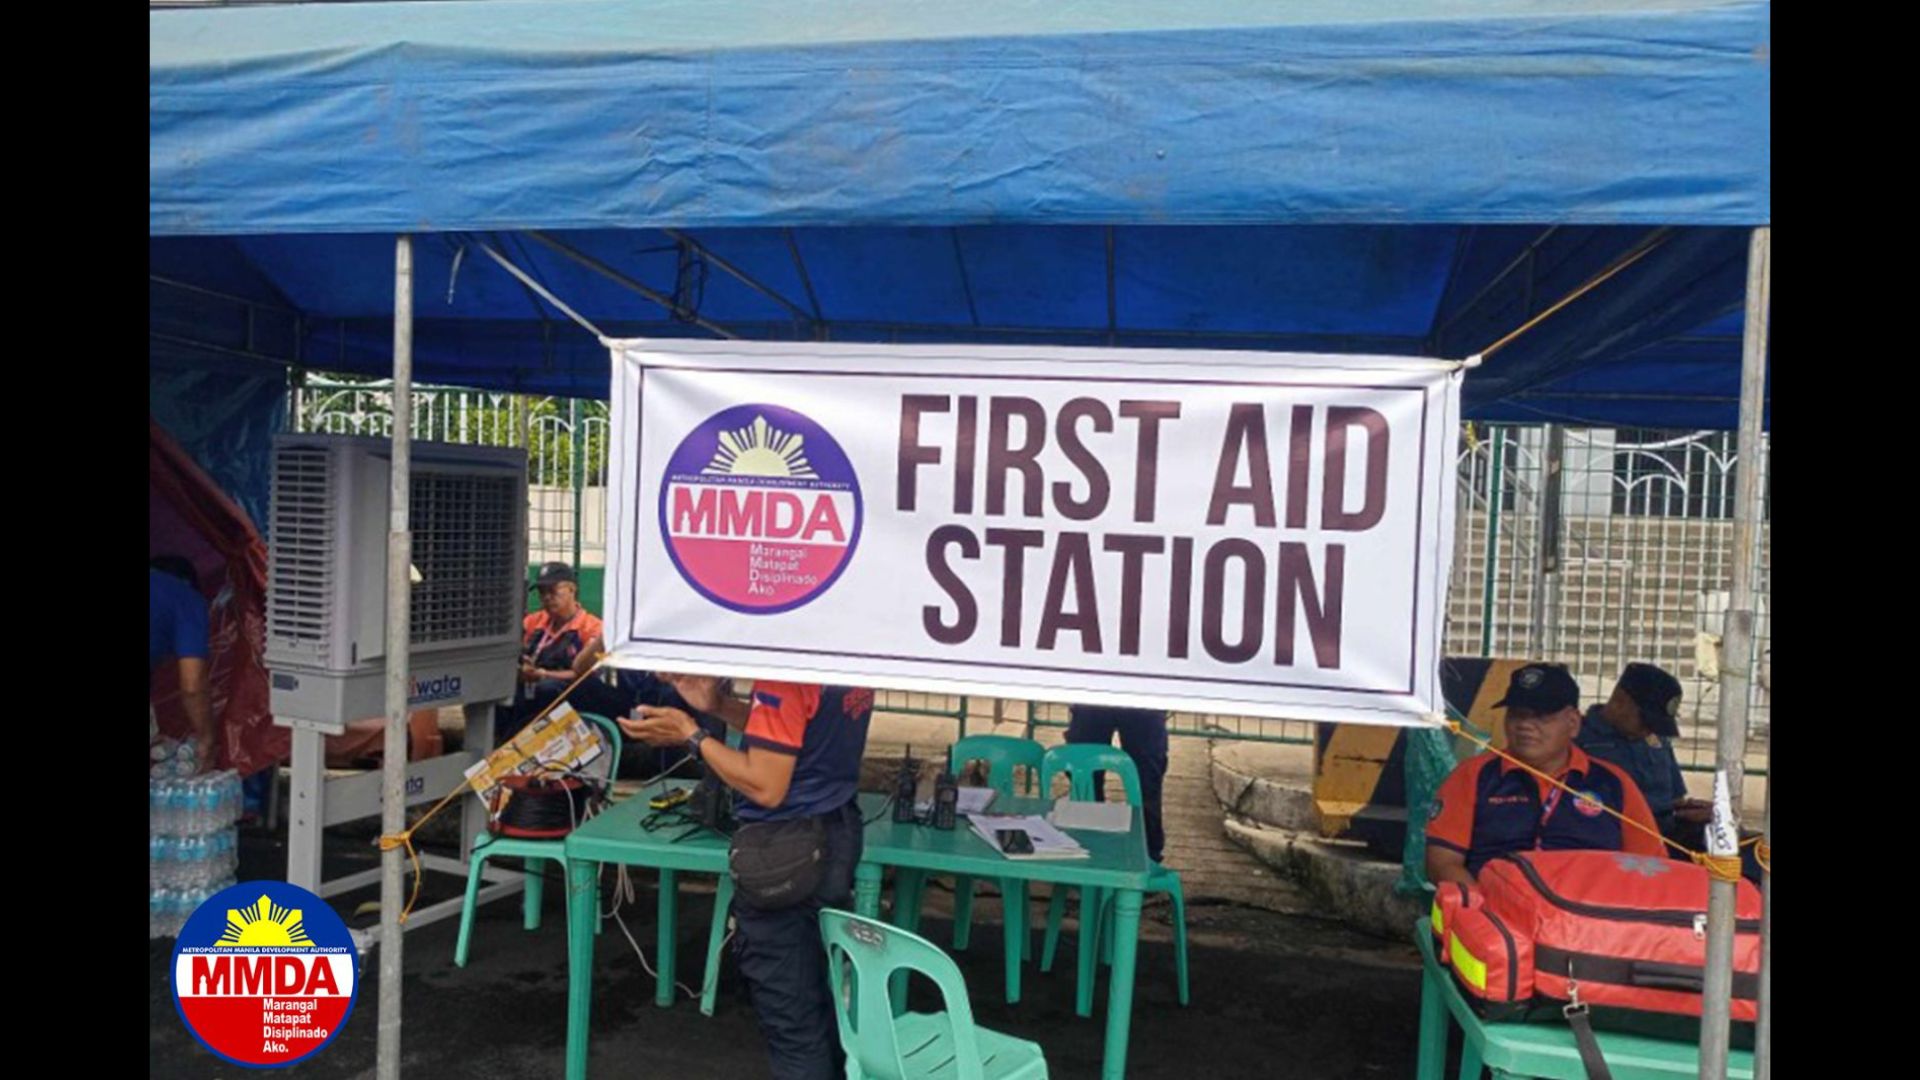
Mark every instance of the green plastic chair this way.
pixel 862 956
pixel 1003 754
pixel 488 846
pixel 1081 762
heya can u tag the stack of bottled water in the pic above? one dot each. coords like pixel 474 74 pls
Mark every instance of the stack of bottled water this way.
pixel 192 848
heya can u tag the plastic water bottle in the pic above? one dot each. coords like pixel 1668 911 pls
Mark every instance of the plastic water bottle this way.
pixel 193 861
pixel 229 798
pixel 190 900
pixel 181 800
pixel 213 853
pixel 206 805
pixel 160 907
pixel 220 861
pixel 161 803
pixel 214 802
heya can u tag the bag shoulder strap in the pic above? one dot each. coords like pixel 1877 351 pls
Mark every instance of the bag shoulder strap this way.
pixel 1590 1056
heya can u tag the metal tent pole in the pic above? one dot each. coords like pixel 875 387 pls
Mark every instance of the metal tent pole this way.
pixel 1736 659
pixel 1763 1030
pixel 393 808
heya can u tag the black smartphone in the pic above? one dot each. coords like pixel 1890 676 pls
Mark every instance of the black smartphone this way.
pixel 1014 841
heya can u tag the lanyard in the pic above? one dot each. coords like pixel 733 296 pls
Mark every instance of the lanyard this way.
pixel 1547 807
pixel 549 636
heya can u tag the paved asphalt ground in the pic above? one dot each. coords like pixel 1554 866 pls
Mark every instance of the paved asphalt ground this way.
pixel 1273 996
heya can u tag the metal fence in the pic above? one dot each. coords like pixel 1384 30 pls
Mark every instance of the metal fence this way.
pixel 1599 547
pixel 1594 547
pixel 565 440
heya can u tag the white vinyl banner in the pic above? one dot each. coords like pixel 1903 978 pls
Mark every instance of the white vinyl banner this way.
pixel 1261 534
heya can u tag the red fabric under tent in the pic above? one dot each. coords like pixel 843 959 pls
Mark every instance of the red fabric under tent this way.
pixel 189 516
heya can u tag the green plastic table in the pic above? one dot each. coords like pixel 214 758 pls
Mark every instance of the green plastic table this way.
pixel 1116 862
pixel 1538 1050
pixel 615 836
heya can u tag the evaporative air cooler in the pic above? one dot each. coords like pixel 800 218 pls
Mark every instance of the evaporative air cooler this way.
pixel 326 647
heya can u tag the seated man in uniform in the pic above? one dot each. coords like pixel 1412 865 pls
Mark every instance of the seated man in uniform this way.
pixel 1634 730
pixel 1488 807
pixel 559 643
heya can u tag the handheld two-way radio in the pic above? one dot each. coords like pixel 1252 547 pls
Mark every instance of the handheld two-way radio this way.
pixel 905 787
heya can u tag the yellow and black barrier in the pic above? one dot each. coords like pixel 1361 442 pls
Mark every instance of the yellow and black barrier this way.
pixel 1359 777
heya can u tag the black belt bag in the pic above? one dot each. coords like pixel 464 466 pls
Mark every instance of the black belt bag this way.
pixel 777 864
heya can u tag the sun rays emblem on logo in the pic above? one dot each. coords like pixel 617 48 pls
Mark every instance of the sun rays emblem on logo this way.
pixel 265 924
pixel 760 508
pixel 760 449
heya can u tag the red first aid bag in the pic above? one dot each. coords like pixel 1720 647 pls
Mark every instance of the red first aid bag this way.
pixel 1623 934
pixel 1449 899
pixel 1492 965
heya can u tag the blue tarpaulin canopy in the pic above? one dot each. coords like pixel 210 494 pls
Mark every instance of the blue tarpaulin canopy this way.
pixel 1410 176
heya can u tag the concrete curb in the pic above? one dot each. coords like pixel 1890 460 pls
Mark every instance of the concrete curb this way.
pixel 1261 800
pixel 1341 878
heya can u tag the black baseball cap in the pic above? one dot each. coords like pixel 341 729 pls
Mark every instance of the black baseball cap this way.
pixel 1541 688
pixel 1657 693
pixel 554 573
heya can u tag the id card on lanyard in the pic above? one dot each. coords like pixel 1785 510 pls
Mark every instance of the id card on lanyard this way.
pixel 548 638
pixel 1547 807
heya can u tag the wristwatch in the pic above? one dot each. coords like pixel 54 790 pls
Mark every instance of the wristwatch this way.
pixel 694 740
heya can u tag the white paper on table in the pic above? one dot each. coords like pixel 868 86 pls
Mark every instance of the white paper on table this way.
pixel 1048 842
pixel 1092 816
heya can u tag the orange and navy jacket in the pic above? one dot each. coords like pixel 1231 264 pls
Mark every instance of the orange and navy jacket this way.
pixel 1488 807
pixel 825 728
pixel 557 651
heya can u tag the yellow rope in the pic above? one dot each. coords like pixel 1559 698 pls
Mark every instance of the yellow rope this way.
pixel 1593 283
pixel 1720 867
pixel 404 838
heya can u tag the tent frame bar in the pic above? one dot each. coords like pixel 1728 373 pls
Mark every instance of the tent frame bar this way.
pixel 806 282
pixel 224 350
pixel 1262 341
pixel 626 282
pixel 1524 258
pixel 1113 298
pixel 799 314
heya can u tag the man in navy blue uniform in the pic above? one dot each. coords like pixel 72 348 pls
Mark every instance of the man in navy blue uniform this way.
pixel 1488 806
pixel 1143 735
pixel 1635 730
pixel 800 759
